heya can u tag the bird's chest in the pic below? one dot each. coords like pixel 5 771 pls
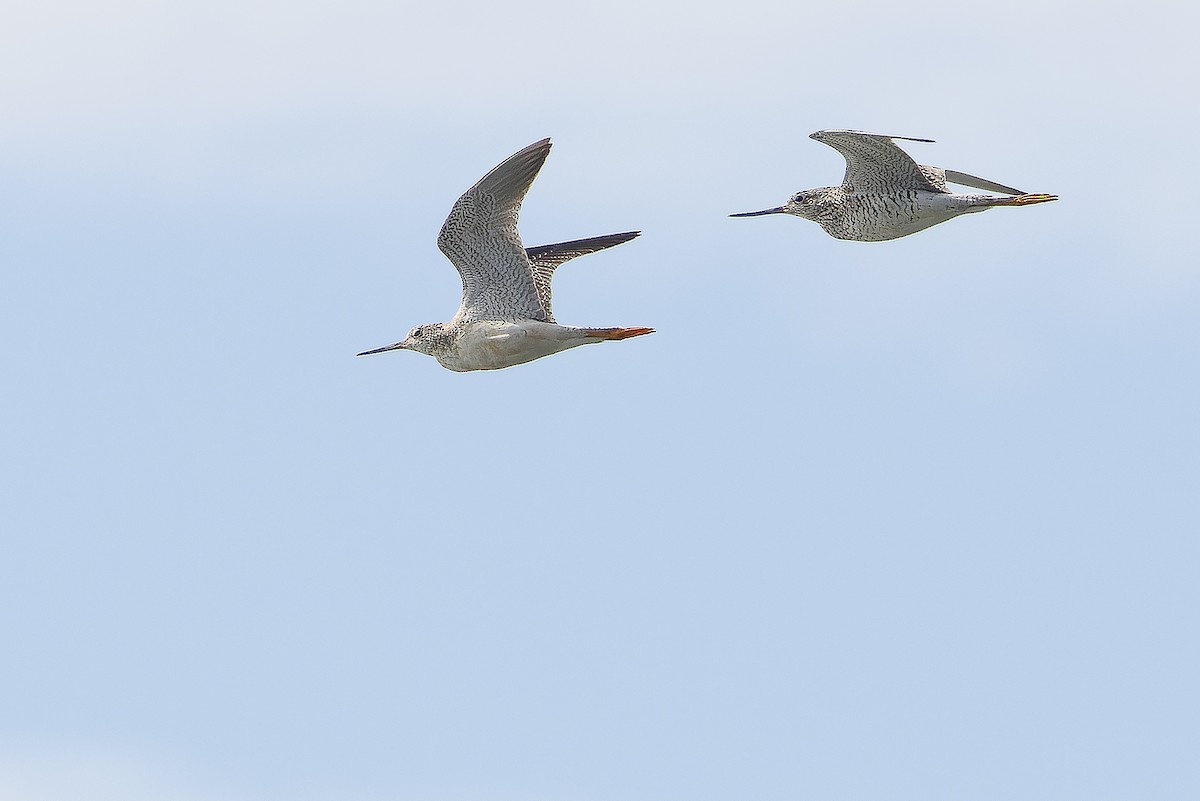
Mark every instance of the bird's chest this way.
pixel 873 217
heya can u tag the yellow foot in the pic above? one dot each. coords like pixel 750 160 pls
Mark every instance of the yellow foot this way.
pixel 1028 200
pixel 617 333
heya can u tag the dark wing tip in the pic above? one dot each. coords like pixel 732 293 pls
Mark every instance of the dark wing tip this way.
pixel 561 252
pixel 510 179
pixel 538 149
pixel 846 131
pixel 610 240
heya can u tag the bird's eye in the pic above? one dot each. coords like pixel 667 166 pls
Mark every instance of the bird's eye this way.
pixel 415 333
pixel 798 197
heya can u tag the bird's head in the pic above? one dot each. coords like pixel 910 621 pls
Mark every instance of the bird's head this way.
pixel 422 339
pixel 807 204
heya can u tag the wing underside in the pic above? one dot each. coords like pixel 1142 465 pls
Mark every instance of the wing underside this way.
pixel 975 182
pixel 874 163
pixel 545 259
pixel 481 240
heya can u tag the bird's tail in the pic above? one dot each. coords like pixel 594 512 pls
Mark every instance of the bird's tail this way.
pixel 616 333
pixel 1024 200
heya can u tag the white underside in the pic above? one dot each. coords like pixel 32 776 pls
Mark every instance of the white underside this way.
pixel 495 345
pixel 932 208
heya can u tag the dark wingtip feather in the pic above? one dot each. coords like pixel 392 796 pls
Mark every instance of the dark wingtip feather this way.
pixel 841 131
pixel 510 179
pixel 560 252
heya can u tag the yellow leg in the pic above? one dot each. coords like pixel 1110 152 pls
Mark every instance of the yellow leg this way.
pixel 617 333
pixel 1027 200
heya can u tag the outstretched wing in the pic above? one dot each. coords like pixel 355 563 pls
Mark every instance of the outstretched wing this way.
pixel 874 163
pixel 975 182
pixel 940 177
pixel 480 239
pixel 545 259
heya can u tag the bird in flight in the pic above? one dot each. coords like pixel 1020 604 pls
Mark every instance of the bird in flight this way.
pixel 886 195
pixel 505 316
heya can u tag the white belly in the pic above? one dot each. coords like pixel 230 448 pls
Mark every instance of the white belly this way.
pixel 877 218
pixel 494 345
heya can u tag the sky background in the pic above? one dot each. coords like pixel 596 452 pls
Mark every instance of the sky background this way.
pixel 913 520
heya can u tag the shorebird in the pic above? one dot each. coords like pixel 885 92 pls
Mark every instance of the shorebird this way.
pixel 505 316
pixel 887 195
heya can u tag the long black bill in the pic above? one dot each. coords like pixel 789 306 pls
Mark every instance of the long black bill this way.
pixel 395 346
pixel 776 210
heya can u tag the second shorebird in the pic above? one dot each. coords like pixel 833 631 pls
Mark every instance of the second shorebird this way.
pixel 505 317
pixel 886 195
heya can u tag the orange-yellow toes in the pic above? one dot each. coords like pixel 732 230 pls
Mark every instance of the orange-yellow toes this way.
pixel 618 333
pixel 1029 200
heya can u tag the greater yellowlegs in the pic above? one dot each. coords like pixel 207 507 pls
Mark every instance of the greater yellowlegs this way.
pixel 505 316
pixel 886 195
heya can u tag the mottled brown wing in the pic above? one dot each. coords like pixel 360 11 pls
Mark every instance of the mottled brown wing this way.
pixel 480 239
pixel 876 164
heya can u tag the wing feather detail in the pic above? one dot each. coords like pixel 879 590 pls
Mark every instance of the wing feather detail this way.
pixel 545 259
pixel 481 240
pixel 876 164
pixel 975 182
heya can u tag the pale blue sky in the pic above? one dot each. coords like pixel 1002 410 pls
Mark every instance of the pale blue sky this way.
pixel 910 521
